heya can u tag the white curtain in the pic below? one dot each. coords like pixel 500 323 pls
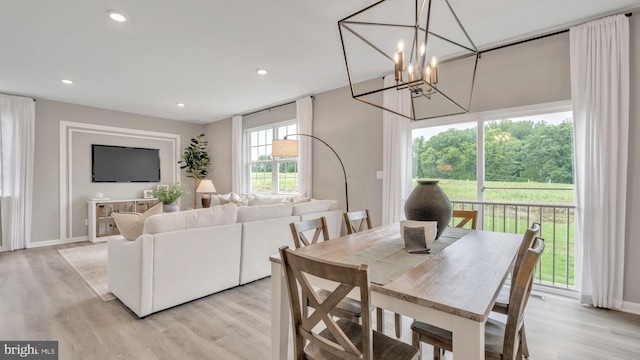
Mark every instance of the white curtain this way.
pixel 17 117
pixel 237 161
pixel 600 94
pixel 396 179
pixel 304 114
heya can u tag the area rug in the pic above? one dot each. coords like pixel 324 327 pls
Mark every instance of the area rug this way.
pixel 91 263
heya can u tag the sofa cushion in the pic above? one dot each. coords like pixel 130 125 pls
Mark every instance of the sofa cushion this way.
pixel 212 216
pixel 259 199
pixel 314 206
pixel 130 224
pixel 263 212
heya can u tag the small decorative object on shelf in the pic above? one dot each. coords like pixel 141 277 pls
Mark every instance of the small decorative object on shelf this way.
pixel 428 202
pixel 168 194
pixel 148 194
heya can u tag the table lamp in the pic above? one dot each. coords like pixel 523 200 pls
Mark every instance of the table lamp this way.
pixel 206 188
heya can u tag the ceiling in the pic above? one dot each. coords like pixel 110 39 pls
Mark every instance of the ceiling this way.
pixel 204 53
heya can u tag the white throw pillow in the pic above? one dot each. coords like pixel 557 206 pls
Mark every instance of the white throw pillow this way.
pixel 130 224
pixel 263 212
pixel 314 206
pixel 212 216
pixel 224 198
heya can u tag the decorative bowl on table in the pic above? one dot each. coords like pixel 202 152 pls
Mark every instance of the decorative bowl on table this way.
pixel 417 235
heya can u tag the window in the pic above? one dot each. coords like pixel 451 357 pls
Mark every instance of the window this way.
pixel 261 164
pixel 515 168
pixel 522 158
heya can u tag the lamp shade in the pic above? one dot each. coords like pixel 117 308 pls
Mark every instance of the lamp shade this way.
pixel 206 186
pixel 284 148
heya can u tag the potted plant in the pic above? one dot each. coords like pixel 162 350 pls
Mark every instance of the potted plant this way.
pixel 196 161
pixel 168 194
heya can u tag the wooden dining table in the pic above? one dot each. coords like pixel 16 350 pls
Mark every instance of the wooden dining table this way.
pixel 454 288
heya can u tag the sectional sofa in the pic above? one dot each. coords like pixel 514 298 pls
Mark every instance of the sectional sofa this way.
pixel 190 254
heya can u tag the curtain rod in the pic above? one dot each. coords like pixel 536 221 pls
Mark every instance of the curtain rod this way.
pixel 272 107
pixel 629 14
pixel 8 94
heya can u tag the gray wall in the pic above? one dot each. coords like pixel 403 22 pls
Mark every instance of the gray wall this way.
pixel 219 136
pixel 81 173
pixel 532 73
pixel 46 182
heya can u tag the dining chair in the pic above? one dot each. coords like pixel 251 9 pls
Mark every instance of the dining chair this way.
pixel 502 340
pixel 356 221
pixel 502 303
pixel 347 308
pixel 465 216
pixel 298 230
pixel 319 335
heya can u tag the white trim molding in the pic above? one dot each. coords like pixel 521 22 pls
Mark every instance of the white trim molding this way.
pixel 38 244
pixel 67 129
pixel 630 307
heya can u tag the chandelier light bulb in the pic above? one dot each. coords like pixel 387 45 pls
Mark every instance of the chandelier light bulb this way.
pixel 400 46
pixel 422 49
pixel 434 62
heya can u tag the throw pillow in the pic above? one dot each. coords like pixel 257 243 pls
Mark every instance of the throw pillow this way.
pixel 240 200
pixel 130 224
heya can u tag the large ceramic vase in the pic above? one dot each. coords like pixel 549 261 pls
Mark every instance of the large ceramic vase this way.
pixel 173 207
pixel 428 202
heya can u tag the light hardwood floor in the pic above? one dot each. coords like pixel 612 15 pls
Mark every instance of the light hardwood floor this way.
pixel 43 298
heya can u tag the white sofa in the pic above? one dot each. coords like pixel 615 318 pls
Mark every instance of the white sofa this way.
pixel 190 254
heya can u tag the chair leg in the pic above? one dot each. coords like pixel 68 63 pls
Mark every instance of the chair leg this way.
pixel 523 340
pixel 380 319
pixel 398 325
pixel 436 353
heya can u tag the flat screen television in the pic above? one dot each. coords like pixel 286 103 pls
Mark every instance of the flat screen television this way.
pixel 122 164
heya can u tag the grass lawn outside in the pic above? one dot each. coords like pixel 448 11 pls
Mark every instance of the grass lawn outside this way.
pixel 557 223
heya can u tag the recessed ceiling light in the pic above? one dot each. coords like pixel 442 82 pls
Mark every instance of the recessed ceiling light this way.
pixel 117 15
pixel 180 104
pixel 261 71
pixel 67 81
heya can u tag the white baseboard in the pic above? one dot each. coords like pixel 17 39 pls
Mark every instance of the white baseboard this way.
pixel 630 307
pixel 57 242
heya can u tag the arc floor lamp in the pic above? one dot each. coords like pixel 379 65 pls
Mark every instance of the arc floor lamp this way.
pixel 286 147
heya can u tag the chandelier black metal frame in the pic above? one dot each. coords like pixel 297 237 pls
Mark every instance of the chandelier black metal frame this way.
pixel 418 76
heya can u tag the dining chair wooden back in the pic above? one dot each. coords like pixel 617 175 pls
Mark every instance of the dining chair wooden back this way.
pixel 502 340
pixel 335 338
pixel 357 221
pixel 465 216
pixel 502 303
pixel 521 289
pixel 347 308
pixel 527 241
pixel 318 226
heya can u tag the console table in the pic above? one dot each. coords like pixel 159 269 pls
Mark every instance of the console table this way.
pixel 101 224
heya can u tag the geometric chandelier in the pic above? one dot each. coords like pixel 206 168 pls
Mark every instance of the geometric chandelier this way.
pixel 423 44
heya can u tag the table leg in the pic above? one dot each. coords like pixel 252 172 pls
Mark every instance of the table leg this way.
pixel 468 339
pixel 279 314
